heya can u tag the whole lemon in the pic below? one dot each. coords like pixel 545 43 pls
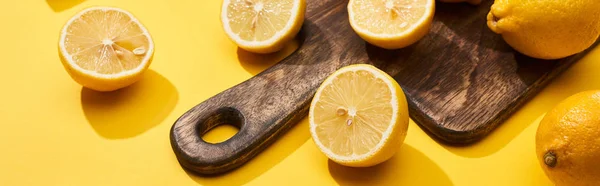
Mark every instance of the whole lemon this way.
pixel 546 29
pixel 568 141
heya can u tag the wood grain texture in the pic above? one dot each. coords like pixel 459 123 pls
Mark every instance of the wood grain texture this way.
pixel 461 82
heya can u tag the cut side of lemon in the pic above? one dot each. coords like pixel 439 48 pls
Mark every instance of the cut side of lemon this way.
pixel 105 48
pixel 262 26
pixel 391 24
pixel 359 116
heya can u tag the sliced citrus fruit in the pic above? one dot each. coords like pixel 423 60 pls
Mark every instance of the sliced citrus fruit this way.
pixel 262 26
pixel 391 24
pixel 359 116
pixel 105 48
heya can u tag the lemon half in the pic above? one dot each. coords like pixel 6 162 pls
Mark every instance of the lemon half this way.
pixel 105 48
pixel 391 24
pixel 262 26
pixel 359 116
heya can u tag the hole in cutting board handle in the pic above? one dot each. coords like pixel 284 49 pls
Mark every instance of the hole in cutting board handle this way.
pixel 220 133
pixel 225 119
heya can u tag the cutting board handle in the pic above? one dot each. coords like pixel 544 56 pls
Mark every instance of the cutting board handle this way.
pixel 208 158
pixel 263 107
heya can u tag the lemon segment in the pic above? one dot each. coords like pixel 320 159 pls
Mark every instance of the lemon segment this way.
pixel 359 116
pixel 262 26
pixel 391 24
pixel 105 48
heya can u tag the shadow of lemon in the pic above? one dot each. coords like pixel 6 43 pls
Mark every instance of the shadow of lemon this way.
pixel 271 156
pixel 255 63
pixel 62 5
pixel 407 167
pixel 130 111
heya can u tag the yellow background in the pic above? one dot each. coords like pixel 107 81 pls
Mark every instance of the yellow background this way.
pixel 53 132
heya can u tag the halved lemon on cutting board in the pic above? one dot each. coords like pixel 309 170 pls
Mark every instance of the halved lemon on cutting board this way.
pixel 262 26
pixel 105 48
pixel 391 24
pixel 359 116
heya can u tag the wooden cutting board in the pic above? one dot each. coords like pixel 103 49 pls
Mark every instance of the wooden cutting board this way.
pixel 461 82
